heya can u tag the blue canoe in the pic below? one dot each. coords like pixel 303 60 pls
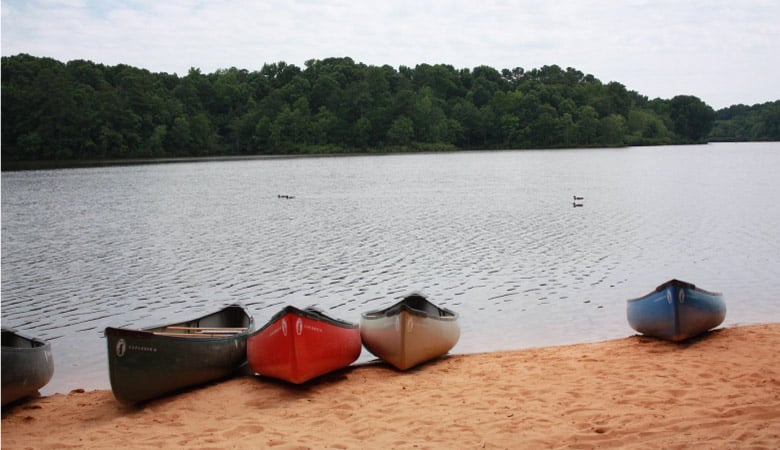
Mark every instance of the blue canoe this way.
pixel 676 311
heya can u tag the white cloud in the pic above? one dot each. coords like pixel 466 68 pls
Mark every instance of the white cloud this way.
pixel 723 52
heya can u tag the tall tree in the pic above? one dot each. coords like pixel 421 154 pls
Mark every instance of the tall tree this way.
pixel 692 118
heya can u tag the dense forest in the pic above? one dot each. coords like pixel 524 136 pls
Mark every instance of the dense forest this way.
pixel 747 123
pixel 80 110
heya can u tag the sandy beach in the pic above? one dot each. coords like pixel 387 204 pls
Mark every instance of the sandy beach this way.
pixel 721 390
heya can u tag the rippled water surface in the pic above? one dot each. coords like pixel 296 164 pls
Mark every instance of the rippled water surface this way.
pixel 492 235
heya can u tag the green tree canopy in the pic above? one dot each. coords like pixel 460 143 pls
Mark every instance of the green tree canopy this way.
pixel 692 118
pixel 82 110
pixel 759 122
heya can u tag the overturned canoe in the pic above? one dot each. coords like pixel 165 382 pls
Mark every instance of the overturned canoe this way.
pixel 410 332
pixel 148 363
pixel 299 345
pixel 676 311
pixel 27 365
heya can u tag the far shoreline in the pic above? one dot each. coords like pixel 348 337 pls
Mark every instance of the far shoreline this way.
pixel 18 166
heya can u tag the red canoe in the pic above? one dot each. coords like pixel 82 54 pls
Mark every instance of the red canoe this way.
pixel 298 345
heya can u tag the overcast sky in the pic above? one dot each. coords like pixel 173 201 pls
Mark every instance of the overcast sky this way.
pixel 724 52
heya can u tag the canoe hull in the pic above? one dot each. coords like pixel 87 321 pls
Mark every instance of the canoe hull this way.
pixel 27 366
pixel 676 311
pixel 299 345
pixel 144 365
pixel 405 335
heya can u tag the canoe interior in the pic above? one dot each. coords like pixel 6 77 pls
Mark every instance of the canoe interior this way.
pixel 231 317
pixel 309 312
pixel 13 339
pixel 415 304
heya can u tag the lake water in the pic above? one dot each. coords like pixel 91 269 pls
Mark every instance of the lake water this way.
pixel 492 235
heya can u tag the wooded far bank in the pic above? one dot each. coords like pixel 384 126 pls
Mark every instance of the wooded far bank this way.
pixel 81 110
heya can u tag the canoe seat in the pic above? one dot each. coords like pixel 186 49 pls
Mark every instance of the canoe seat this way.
pixel 207 329
pixel 184 331
pixel 190 335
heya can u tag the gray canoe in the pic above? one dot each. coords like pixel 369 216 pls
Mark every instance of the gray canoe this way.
pixel 27 365
pixel 409 332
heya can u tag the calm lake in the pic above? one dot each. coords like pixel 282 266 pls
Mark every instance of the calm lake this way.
pixel 492 235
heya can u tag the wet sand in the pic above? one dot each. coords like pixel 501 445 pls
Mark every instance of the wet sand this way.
pixel 721 390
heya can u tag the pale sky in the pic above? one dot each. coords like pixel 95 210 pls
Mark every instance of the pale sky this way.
pixel 724 52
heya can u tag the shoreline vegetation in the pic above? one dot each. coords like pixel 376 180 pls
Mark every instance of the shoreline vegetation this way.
pixel 75 164
pixel 11 166
pixel 83 111
pixel 719 390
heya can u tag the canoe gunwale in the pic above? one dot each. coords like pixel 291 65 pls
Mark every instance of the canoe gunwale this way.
pixel 35 343
pixel 443 314
pixel 189 337
pixel 157 330
pixel 675 283
pixel 310 313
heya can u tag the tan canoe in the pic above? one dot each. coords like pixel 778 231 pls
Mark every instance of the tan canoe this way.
pixel 410 332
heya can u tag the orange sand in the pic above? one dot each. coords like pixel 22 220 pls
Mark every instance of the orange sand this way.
pixel 718 391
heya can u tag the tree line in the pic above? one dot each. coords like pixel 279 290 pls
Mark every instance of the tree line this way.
pixel 81 110
pixel 739 123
